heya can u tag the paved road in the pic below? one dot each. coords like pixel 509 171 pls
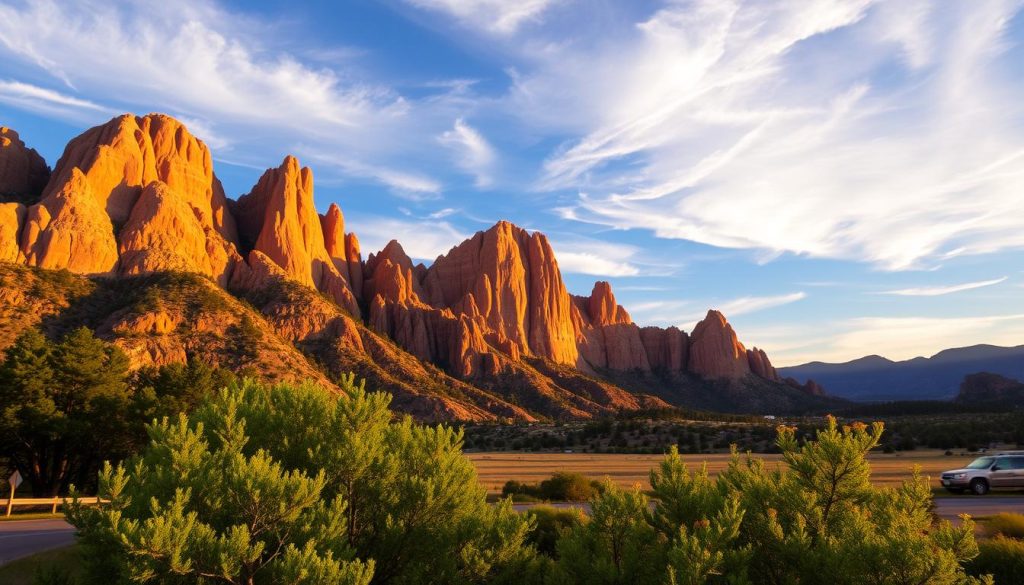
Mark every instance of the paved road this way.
pixel 21 538
pixel 951 508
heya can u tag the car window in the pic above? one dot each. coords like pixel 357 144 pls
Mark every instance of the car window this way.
pixel 980 463
pixel 1016 463
pixel 1004 463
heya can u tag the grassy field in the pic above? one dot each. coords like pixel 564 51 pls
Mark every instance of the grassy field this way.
pixel 495 469
pixel 23 571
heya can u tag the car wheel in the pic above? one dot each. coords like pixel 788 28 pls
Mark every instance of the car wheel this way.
pixel 979 487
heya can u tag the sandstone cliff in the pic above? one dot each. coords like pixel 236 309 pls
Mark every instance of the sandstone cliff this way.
pixel 23 173
pixel 488 330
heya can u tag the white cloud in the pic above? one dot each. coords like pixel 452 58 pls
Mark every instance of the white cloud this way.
pixel 222 71
pixel 896 141
pixel 589 256
pixel 900 338
pixel 686 313
pixel 47 101
pixel 473 153
pixel 422 240
pixel 934 291
pixel 744 305
pixel 496 16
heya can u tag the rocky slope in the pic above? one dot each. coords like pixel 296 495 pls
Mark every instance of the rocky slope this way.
pixel 985 388
pixel 487 331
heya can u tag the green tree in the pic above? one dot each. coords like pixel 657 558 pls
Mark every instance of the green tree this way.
pixel 819 519
pixel 62 404
pixel 398 495
pixel 814 520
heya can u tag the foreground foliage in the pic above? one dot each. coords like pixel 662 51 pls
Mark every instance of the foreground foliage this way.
pixel 69 405
pixel 817 520
pixel 289 484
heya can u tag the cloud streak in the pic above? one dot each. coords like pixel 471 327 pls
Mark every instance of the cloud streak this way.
pixel 221 70
pixel 934 291
pixel 495 16
pixel 473 153
pixel 830 129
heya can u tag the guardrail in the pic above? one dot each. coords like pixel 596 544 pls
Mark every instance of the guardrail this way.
pixel 53 502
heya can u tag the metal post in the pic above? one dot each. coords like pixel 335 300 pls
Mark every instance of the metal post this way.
pixel 10 500
pixel 54 510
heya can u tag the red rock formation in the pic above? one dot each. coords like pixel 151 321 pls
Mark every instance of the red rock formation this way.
pixel 12 217
pixel 516 286
pixel 164 233
pixel 355 263
pixel 667 349
pixel 606 336
pixel 127 153
pixel 715 352
pixel 602 308
pixel 389 273
pixel 333 226
pixel 761 365
pixel 811 388
pixel 69 229
pixel 279 218
pixel 23 172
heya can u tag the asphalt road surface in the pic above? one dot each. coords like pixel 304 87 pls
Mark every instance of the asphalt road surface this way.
pixel 21 538
pixel 951 508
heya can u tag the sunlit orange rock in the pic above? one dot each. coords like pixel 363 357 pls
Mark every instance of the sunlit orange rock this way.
pixel 333 225
pixel 23 172
pixel 389 273
pixel 517 289
pixel 68 229
pixel 715 352
pixel 12 218
pixel 280 221
pixel 121 157
pixel 667 349
pixel 164 233
pixel 761 365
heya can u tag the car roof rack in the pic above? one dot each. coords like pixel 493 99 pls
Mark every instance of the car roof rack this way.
pixel 1008 453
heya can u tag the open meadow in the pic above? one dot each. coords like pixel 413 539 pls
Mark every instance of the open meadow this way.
pixel 495 469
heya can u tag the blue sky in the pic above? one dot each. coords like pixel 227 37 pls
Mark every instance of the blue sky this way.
pixel 841 178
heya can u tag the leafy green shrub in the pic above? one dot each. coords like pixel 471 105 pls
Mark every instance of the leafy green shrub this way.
pixel 1007 524
pixel 565 486
pixel 293 484
pixel 550 523
pixel 816 520
pixel 1001 557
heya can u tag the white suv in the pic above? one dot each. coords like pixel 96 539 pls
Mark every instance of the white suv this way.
pixel 1001 470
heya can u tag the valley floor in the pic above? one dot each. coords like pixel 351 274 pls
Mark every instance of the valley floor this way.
pixel 495 469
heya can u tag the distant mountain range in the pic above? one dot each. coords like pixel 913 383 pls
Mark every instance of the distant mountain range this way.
pixel 875 378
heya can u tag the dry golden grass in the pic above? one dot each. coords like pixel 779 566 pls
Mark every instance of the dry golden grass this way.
pixel 495 469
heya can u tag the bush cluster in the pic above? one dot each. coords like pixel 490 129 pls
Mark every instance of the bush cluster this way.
pixel 562 486
pixel 290 484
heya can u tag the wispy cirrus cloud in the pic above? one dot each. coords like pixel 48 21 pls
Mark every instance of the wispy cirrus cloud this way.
pixel 223 72
pixel 422 239
pixel 496 16
pixel 48 101
pixel 934 291
pixel 897 338
pixel 686 313
pixel 472 151
pixel 825 128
